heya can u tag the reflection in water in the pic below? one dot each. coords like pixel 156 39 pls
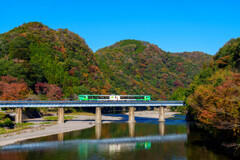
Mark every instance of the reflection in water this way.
pixel 161 128
pixel 60 136
pixel 198 146
pixel 123 147
pixel 98 128
pixel 131 129
pixel 83 151
pixel 123 140
pixel 111 150
pixel 138 141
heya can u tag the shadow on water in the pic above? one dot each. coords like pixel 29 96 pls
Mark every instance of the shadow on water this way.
pixel 145 139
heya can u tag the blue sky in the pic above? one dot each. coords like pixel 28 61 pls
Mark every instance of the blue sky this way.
pixel 173 25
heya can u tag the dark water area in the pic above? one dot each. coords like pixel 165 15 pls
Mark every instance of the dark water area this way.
pixel 146 139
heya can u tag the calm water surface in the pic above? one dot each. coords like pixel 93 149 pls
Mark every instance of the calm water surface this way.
pixel 146 139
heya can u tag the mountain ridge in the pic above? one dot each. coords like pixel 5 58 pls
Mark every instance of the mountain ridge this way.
pixel 141 54
pixel 38 54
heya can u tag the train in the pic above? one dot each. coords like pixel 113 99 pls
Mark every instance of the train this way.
pixel 114 97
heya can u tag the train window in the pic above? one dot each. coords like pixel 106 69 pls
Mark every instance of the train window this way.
pixel 103 97
pixel 139 97
pixel 132 97
pixel 91 97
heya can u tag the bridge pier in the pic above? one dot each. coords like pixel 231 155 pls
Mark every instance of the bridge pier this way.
pixel 98 115
pixel 18 116
pixel 161 114
pixel 131 118
pixel 60 115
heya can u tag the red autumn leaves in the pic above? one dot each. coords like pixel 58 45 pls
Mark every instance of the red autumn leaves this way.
pixel 12 88
pixel 51 91
pixel 218 106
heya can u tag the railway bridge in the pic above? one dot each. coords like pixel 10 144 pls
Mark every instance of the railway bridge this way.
pixel 19 105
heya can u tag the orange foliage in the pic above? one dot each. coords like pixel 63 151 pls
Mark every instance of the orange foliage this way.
pixel 223 61
pixel 218 106
pixel 12 88
pixel 85 75
pixel 136 82
pixel 107 86
pixel 103 91
pixel 93 69
pixel 143 65
pixel 123 93
pixel 94 90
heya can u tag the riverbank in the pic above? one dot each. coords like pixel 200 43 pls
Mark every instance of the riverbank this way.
pixel 78 123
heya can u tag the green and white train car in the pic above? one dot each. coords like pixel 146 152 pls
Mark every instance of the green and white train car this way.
pixel 114 97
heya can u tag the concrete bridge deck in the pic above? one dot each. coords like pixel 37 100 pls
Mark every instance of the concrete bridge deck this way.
pixel 19 105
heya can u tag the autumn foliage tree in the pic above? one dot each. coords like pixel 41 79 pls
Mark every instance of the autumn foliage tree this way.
pixel 12 88
pixel 218 103
pixel 52 91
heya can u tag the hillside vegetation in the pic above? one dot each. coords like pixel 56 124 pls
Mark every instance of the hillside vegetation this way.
pixel 49 61
pixel 138 67
pixel 213 100
pixel 38 62
pixel 214 95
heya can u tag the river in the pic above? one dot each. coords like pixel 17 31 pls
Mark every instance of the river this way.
pixel 146 139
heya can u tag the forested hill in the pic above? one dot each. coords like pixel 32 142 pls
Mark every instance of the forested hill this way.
pixel 138 67
pixel 59 59
pixel 37 62
pixel 197 58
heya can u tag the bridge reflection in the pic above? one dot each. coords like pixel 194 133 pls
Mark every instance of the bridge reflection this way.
pixel 60 136
pixel 98 129
pixel 60 140
pixel 72 143
pixel 161 128
pixel 131 128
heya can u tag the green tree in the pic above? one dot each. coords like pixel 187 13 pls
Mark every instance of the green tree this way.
pixel 18 48
pixel 229 54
